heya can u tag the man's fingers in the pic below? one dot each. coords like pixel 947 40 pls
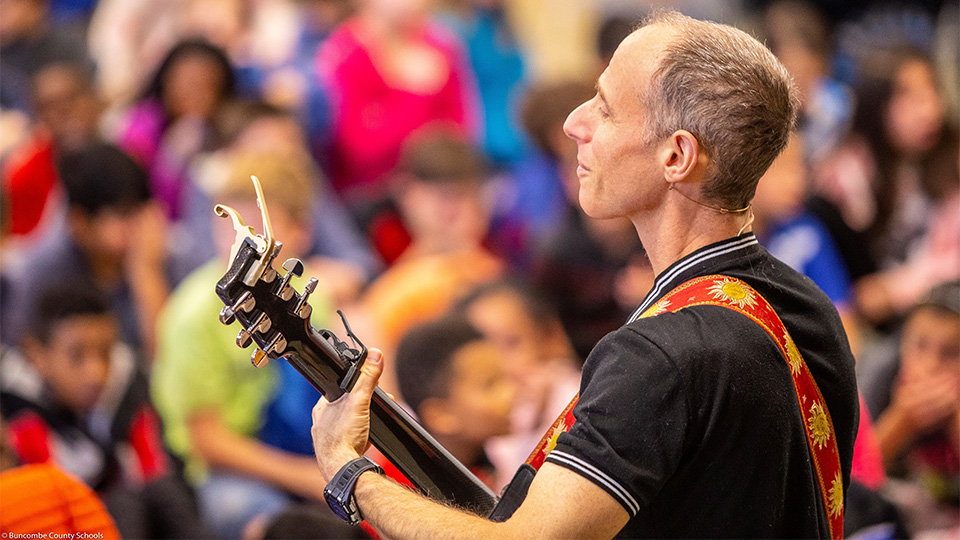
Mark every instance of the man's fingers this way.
pixel 369 374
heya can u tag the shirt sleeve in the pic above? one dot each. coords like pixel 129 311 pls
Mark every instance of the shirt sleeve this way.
pixel 631 420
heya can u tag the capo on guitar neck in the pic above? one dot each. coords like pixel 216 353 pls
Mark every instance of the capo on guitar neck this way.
pixel 354 357
pixel 266 246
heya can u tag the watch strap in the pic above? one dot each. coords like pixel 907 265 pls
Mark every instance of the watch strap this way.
pixel 339 491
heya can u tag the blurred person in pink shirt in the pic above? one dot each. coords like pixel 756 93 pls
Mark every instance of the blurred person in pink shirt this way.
pixel 390 71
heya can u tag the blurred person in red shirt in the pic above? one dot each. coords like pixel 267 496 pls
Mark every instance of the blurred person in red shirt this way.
pixel 390 71
pixel 67 112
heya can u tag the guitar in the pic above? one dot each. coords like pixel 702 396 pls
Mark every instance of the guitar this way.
pixel 277 319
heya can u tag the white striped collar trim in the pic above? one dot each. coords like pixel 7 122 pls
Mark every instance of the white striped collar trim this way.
pixel 671 274
pixel 596 474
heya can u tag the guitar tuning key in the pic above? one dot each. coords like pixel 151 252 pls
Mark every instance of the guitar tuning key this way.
pixel 303 309
pixel 245 302
pixel 244 338
pixel 227 315
pixel 259 358
pixel 262 324
pixel 294 267
pixel 276 345
pixel 269 275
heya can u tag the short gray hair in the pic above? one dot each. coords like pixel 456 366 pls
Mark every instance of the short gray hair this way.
pixel 731 93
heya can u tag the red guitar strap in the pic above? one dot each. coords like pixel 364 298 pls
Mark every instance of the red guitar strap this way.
pixel 732 293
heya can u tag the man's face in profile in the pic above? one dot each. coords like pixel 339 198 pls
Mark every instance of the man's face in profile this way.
pixel 616 168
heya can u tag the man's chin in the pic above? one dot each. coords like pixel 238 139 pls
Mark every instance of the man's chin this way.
pixel 592 210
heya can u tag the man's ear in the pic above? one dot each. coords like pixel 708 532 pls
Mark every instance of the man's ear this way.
pixel 435 415
pixel 681 157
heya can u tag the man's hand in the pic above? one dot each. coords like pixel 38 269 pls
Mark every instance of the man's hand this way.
pixel 341 428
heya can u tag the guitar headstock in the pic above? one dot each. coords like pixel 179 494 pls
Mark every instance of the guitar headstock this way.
pixel 276 317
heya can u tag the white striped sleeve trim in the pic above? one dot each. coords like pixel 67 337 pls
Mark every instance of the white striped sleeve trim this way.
pixel 598 476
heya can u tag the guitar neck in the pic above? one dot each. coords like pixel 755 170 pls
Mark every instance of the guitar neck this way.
pixel 403 441
pixel 271 316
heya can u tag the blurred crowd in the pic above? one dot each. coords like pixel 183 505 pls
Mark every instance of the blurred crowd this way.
pixel 412 155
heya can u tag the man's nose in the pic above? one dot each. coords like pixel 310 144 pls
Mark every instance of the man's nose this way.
pixel 575 126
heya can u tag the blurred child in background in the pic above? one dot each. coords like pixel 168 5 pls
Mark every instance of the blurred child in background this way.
pixel 67 112
pixel 454 381
pixel 802 38
pixel 174 121
pixel 439 194
pixel 114 239
pixel 29 40
pixel 498 63
pixel 243 432
pixel 915 396
pixel 43 496
pixel 537 356
pixel 80 400
pixel 390 72
pixel 875 191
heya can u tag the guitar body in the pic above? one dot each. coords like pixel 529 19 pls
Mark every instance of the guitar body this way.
pixel 272 316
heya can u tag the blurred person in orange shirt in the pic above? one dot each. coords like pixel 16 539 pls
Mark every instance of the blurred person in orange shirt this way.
pixel 439 193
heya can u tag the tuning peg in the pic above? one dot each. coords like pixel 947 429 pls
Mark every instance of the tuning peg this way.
pixel 227 315
pixel 269 275
pixel 244 338
pixel 276 345
pixel 245 302
pixel 262 324
pixel 303 309
pixel 259 358
pixel 294 267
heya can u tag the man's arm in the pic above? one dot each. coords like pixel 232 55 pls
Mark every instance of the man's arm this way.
pixel 560 503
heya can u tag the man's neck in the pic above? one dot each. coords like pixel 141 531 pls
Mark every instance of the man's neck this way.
pixel 677 231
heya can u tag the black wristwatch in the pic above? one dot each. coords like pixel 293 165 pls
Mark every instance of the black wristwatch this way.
pixel 339 492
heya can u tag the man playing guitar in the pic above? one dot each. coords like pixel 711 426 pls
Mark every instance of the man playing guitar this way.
pixel 727 405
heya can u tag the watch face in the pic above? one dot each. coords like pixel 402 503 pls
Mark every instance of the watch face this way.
pixel 337 508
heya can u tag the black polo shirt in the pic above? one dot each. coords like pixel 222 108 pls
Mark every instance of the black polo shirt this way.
pixel 690 419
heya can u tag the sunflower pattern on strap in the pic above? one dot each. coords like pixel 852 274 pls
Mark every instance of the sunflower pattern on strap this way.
pixel 819 424
pixel 730 291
